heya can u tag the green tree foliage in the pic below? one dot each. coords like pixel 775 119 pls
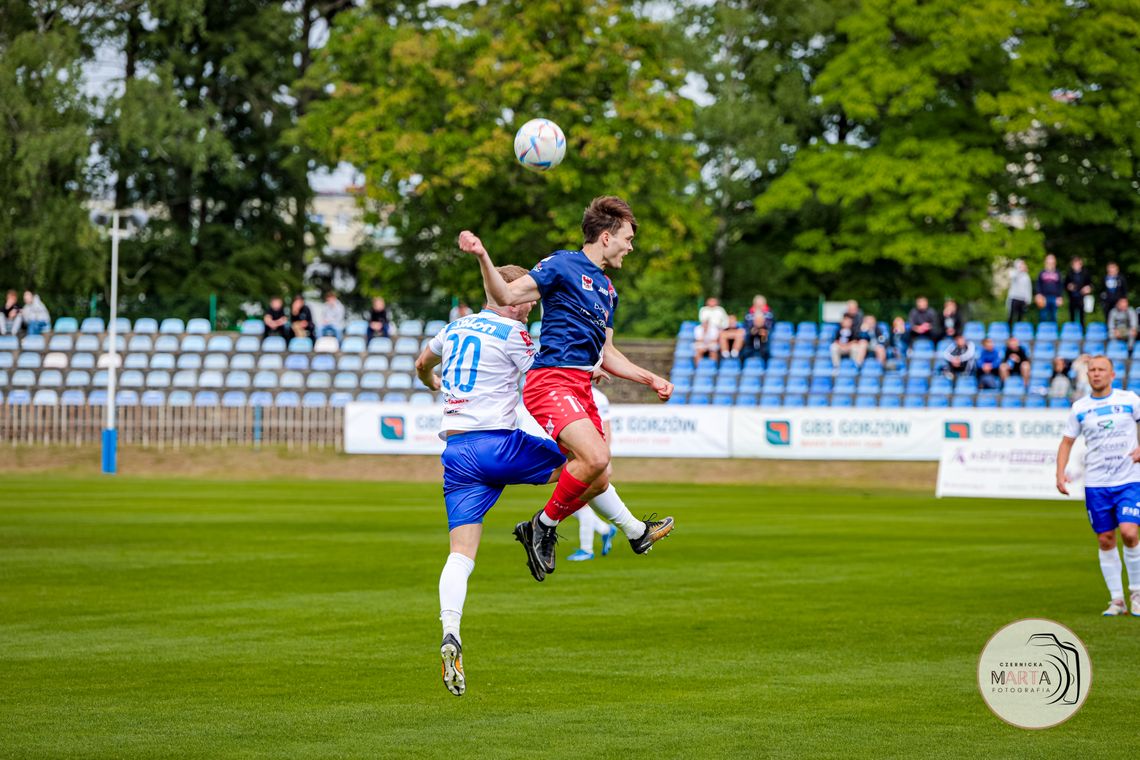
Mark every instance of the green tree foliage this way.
pixel 425 102
pixel 45 239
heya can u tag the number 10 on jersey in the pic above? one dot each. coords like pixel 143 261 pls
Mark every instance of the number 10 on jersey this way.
pixel 456 367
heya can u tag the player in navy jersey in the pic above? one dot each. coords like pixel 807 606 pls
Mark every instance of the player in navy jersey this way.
pixel 578 302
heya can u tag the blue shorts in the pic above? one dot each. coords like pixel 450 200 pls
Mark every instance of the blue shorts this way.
pixel 478 465
pixel 1109 506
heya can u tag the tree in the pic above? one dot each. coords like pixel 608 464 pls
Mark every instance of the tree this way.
pixel 46 241
pixel 424 101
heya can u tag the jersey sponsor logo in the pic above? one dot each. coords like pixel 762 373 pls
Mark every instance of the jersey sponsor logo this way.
pixel 956 431
pixel 778 432
pixel 392 428
pixel 1106 424
pixel 526 338
pixel 587 282
pixel 488 327
pixel 605 314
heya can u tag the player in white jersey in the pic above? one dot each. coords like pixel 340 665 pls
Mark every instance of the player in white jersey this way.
pixel 1107 419
pixel 589 524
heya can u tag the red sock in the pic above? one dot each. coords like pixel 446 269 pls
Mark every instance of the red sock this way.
pixel 567 497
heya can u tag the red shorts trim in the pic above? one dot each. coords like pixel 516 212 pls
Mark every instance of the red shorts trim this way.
pixel 556 396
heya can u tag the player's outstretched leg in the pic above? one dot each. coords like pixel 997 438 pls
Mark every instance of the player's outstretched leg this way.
pixel 642 534
pixel 655 530
pixel 524 534
pixel 451 652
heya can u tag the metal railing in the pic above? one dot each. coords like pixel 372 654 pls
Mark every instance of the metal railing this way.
pixel 174 427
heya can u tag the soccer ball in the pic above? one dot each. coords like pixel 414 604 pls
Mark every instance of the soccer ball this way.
pixel 540 145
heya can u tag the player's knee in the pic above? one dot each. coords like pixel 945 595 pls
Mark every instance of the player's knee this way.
pixel 1130 534
pixel 1106 540
pixel 596 461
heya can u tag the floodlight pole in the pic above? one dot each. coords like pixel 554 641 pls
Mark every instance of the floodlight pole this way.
pixel 110 434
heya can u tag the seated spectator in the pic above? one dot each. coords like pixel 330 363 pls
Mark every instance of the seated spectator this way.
pixel 898 338
pixel 37 321
pixel 757 327
pixel 458 311
pixel 876 337
pixel 1080 373
pixel 1121 323
pixel 10 320
pixel 713 313
pixel 959 357
pixel 922 321
pixel 378 318
pixel 847 343
pixel 300 318
pixel 731 338
pixel 1015 360
pixel 854 312
pixel 989 363
pixel 275 319
pixel 332 317
pixel 706 342
pixel 1060 384
pixel 951 322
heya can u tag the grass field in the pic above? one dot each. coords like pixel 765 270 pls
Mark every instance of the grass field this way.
pixel 152 618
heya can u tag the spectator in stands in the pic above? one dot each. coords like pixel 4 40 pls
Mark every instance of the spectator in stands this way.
pixel 300 318
pixel 922 322
pixel 378 324
pixel 1121 323
pixel 1078 284
pixel 951 323
pixel 1115 288
pixel 989 359
pixel 1050 291
pixel 1060 384
pixel 876 336
pixel 332 317
pixel 1020 292
pixel 10 320
pixel 848 343
pixel 458 311
pixel 898 338
pixel 757 327
pixel 731 339
pixel 706 342
pixel 1080 373
pixel 959 357
pixel 37 321
pixel 275 319
pixel 854 312
pixel 1015 360
pixel 712 313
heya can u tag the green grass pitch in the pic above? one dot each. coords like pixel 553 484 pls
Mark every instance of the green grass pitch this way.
pixel 149 618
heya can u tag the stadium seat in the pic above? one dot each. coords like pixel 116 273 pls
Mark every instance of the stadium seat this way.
pixel 700 399
pixel 403 363
pixel 395 397
pixel 189 361
pixel 974 331
pixel 77 378
pixel 158 378
pixel 252 327
pixel 1023 331
pixel 914 401
pixel 345 381
pixel 131 378
pixel 7 360
pixel 400 381
pixel 157 361
pixel 273 344
pixel 145 326
pixel 33 343
pixel 774 384
pixel 237 379
pixel 87 343
pixel 167 344
pixel 817 400
pixel 864 401
pixel 677 399
pixel 820 385
pixel 23 378
pixel 319 380
pixel 58 360
pixel 300 345
pixel 61 343
pixel 349 363
pixel 186 378
pixel 127 398
pixel 380 346
pixel 19 398
pixel 339 399
pixel 93 326
pixel 367 396
pixel 999 331
pixel 233 399
pixel 323 363
pixel 892 384
pixel 890 401
pixel 421 398
pixel 51 378
pixel 206 398
pixel 194 344
pixel 352 345
pixel 794 400
pixel 435 325
pixel 407 346
pixel 803 349
pixel 299 362
pixel 938 400
pixel 247 344
pixel 770 400
pixel 198 326
pixel 704 384
pixel 172 326
pixel 326 345
pixel 797 385
pixel 10 343
pixel 261 398
pixel 265 379
pixel 410 327
pixel 66 325
pixel 987 400
pixel 1070 331
pixel 1035 401
pixel 220 343
pixel 1012 402
pixel 290 379
pixel 242 361
pixel 782 330
pixel 180 398
pixel 378 363
pixel 97 398
pixel 1096 331
pixel 750 384
pixel 746 399
pixel 1059 403
pixel 108 360
pixel 216 361
pixel 211 379
pixel 99 379
pixel 73 398
pixel 372 381
pixel 357 328
pixel 152 398
pixel 271 362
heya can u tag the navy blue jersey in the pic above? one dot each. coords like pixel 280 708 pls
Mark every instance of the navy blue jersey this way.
pixel 578 303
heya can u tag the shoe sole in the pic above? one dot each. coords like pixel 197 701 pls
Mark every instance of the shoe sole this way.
pixel 453 677
pixel 662 537
pixel 537 571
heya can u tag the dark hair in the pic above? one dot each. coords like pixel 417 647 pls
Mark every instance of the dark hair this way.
pixel 606 213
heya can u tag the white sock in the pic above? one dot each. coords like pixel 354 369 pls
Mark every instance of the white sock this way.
pixel 546 520
pixel 453 591
pixel 613 508
pixel 1110 566
pixel 1132 564
pixel 586 521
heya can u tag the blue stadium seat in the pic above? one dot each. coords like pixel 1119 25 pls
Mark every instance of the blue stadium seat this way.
pixel 782 330
pixel 314 400
pixel 237 379
pixel 410 327
pixel 435 325
pixel 803 349
pixel 93 326
pixel 45 397
pixel 349 363
pixel 1060 403
pixel 323 363
pixel 127 398
pixel 683 383
pixel 261 398
pixel 198 326
pixel 750 384
pixel 153 398
pixel 797 385
pixel 822 367
pixel 298 345
pixel 318 380
pixel 206 398
pixel 1070 351
pixel 66 325
pixel 211 378
pixel 842 401
pixel 145 326
pixel 1035 401
pixel 242 361
pixel 287 399
pixel 189 361
pixel 158 378
pixel 777 367
pixel 890 401
pixel 172 326
pixel 400 382
pixel 195 344
pixel 1096 331
pixel 728 369
pixel 178 398
pixel 216 361
pixel 273 344
pixel 774 384
pixel 941 384
pixel 999 331
pixel 131 378
pixel 122 325
pixel 866 401
pixel 291 379
pixel 6 360
pixel 220 343
pixel 403 363
pixel 914 401
pixel 247 344
pixel 77 378
pixel 793 400
pixel 11 343
pixel 61 343
pixel 800 368
pixel 72 398
pixel 1046 331
pixel 987 400
pixel 33 343
pixel 807 330
pixel 23 378
pixel 185 378
pixel 352 345
pixel 827 332
pixel 917 385
pixel 962 402
pixel 340 399
pixel 51 378
pixel 233 399
pixel 372 381
pixel 892 384
pixel 29 360
pixel 680 399
pixel 1071 331
pixel 1023 331
pixel 1012 402
pixel 265 379
pixel 753 363
pixel 938 400
pixel 88 343
pixel 770 400
pixel 252 327
pixel 817 400
pixel 974 331
pixel 357 328
pixel 725 385
pixel 746 399
pixel 1043 352
pixel 820 385
pixel 780 349
pixel 19 397
pixel 724 399
pixel 868 385
pixel 395 397
pixel 345 381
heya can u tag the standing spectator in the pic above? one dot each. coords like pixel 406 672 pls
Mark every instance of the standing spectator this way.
pixel 731 338
pixel 951 323
pixel 458 311
pixel 989 360
pixel 1078 284
pixel 898 338
pixel 1020 292
pixel 712 313
pixel 854 312
pixel 1060 384
pixel 300 318
pixel 378 318
pixel 275 319
pixel 1080 372
pixel 1115 288
pixel 1122 323
pixel 876 338
pixel 922 321
pixel 757 327
pixel 1050 291
pixel 959 357
pixel 332 317
pixel 1015 360
pixel 10 320
pixel 847 343
pixel 37 321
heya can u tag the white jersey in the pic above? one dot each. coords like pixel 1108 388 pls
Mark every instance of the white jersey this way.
pixel 602 403
pixel 484 355
pixel 1109 427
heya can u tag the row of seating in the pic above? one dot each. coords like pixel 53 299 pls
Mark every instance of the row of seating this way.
pixel 302 362
pixel 208 398
pixel 894 384
pixel 895 401
pixel 973 330
pixel 188 378
pixel 174 326
pixel 212 343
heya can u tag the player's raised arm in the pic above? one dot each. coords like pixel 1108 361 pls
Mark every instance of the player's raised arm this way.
pixel 1063 452
pixel 520 291
pixel 616 363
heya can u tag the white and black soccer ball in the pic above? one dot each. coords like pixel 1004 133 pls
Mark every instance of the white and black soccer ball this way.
pixel 540 145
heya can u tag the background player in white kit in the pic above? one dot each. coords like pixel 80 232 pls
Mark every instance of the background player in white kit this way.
pixel 1107 419
pixel 589 524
